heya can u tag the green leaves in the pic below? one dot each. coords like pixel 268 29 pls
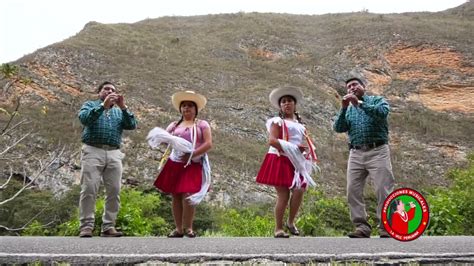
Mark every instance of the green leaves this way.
pixel 452 209
pixel 8 70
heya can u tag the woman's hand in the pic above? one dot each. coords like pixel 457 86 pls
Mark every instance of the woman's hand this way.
pixel 302 148
pixel 185 157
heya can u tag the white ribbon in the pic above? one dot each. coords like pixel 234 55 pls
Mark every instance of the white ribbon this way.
pixel 303 166
pixel 158 135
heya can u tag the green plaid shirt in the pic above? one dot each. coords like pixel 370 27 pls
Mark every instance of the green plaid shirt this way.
pixel 365 124
pixel 104 126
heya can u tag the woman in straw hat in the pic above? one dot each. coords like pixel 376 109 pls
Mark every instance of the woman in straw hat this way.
pixel 186 175
pixel 288 164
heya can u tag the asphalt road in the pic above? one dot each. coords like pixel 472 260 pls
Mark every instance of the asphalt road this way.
pixel 130 250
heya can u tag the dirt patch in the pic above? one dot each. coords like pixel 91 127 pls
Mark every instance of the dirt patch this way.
pixel 451 151
pixel 446 98
pixel 48 83
pixel 377 81
pixel 33 88
pixel 429 65
pixel 426 57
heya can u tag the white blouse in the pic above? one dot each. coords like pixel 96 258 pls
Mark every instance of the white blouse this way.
pixel 295 131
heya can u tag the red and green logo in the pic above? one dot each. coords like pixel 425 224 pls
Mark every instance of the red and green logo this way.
pixel 405 214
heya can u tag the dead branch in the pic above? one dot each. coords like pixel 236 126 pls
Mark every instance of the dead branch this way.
pixel 27 223
pixel 8 180
pixel 15 143
pixel 12 115
pixel 7 130
pixel 35 176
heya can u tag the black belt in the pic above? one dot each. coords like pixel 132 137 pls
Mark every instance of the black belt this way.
pixel 366 146
pixel 104 146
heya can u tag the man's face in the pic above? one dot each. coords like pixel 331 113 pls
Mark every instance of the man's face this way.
pixel 354 87
pixel 106 90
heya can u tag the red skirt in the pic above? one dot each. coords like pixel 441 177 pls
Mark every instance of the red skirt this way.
pixel 276 171
pixel 176 179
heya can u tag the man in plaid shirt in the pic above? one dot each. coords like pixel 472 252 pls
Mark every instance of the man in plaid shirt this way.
pixel 364 118
pixel 103 120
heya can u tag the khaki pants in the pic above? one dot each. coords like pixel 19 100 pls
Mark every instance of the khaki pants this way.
pixel 374 163
pixel 100 165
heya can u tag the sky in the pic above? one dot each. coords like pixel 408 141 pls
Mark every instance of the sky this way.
pixel 27 25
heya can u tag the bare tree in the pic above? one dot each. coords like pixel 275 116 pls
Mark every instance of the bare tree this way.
pixel 12 157
pixel 10 138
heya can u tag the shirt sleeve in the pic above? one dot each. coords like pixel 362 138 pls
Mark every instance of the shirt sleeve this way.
pixel 90 112
pixel 379 109
pixel 274 120
pixel 171 126
pixel 128 120
pixel 203 124
pixel 340 122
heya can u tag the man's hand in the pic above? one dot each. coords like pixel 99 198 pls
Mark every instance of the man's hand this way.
pixel 412 205
pixel 110 100
pixel 350 98
pixel 121 102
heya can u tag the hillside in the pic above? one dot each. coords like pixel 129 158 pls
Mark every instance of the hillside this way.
pixel 422 62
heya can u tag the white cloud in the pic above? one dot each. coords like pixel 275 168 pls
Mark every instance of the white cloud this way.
pixel 27 25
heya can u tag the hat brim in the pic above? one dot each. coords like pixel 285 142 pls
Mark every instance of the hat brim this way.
pixel 179 97
pixel 276 94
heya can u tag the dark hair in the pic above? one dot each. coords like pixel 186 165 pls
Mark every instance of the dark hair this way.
pixel 291 96
pixel 298 117
pixel 103 84
pixel 358 80
pixel 195 106
pixel 282 115
pixel 182 118
pixel 393 208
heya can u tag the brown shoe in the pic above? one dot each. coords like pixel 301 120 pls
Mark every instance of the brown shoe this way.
pixel 358 234
pixel 86 232
pixel 111 233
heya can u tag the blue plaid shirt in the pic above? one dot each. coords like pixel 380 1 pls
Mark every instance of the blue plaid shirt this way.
pixel 104 126
pixel 365 124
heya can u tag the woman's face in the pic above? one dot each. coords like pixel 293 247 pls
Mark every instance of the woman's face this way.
pixel 188 109
pixel 287 105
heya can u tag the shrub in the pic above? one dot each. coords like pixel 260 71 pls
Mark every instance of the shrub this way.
pixel 452 209
pixel 324 216
pixel 250 221
pixel 138 215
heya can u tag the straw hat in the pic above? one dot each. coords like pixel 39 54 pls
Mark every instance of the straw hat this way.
pixel 191 96
pixel 276 94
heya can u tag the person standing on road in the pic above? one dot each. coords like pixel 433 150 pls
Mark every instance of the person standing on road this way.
pixel 365 119
pixel 104 120
pixel 288 164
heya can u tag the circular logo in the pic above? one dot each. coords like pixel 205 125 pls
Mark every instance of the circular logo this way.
pixel 405 214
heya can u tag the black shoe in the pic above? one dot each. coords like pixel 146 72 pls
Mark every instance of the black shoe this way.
pixel 358 234
pixel 175 234
pixel 190 233
pixel 384 234
pixel 293 230
pixel 281 234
